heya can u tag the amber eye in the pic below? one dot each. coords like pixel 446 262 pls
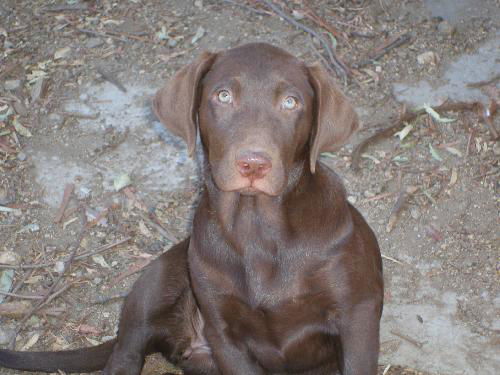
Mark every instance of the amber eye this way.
pixel 224 96
pixel 290 103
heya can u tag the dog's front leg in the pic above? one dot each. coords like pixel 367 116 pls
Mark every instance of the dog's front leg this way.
pixel 231 358
pixel 359 336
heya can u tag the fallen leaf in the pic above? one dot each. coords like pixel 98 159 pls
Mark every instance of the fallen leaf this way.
pixel 62 53
pixel 32 341
pixel 404 132
pixel 6 279
pixel 200 32
pixel 436 115
pixel 121 181
pixel 20 128
pixel 144 229
pixel 454 177
pixel 454 151
pixel 434 153
pixel 99 259
pixel 92 341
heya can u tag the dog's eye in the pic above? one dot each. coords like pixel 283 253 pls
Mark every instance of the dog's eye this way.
pixel 224 96
pixel 290 102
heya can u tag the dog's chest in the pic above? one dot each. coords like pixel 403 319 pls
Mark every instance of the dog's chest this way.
pixel 281 308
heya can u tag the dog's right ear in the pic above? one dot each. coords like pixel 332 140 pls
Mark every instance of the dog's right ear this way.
pixel 176 104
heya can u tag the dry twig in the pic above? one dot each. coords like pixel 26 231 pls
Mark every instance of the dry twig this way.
pixel 79 257
pixel 68 192
pixel 408 116
pixel 387 46
pixel 50 295
pixel 342 70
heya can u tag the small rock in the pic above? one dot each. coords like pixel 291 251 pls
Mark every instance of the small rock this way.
pixel 10 258
pixel 172 42
pixel 428 58
pixel 12 84
pixel 5 335
pixel 445 28
pixel 21 156
pixel 198 4
pixel 94 42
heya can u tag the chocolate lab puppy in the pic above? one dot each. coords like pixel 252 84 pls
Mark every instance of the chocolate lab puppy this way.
pixel 281 275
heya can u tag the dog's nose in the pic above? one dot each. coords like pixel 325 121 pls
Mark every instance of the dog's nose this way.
pixel 253 165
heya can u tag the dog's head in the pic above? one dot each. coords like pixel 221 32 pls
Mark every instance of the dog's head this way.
pixel 261 113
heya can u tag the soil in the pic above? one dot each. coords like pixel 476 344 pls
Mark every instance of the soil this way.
pixel 59 68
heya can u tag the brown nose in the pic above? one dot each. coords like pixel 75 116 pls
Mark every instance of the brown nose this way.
pixel 253 165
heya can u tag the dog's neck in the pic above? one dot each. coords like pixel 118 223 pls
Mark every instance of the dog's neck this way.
pixel 256 215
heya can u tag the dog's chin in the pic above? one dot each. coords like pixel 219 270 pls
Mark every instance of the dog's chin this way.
pixel 245 187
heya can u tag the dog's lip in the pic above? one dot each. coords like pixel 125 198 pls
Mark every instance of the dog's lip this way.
pixel 249 190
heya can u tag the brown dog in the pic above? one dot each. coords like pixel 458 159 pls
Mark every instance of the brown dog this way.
pixel 281 275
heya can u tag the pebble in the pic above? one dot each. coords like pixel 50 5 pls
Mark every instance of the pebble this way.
pixel 21 156
pixel 351 199
pixel 94 42
pixel 12 84
pixel 428 58
pixel 172 42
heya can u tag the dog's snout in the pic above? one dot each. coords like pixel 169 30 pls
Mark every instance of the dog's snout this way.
pixel 253 165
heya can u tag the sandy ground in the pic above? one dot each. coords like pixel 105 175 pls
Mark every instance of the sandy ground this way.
pixel 63 122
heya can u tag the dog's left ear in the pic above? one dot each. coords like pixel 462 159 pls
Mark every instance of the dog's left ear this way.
pixel 335 118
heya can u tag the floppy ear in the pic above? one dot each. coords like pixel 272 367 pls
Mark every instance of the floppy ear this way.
pixel 335 117
pixel 176 104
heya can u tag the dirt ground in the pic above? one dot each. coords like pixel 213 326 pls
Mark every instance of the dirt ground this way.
pixel 431 193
